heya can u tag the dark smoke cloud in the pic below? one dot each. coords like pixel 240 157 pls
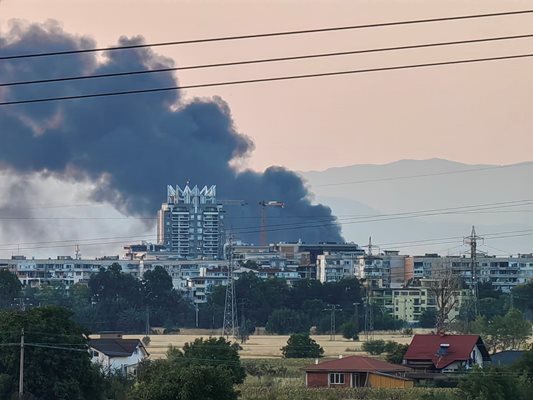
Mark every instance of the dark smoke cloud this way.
pixel 133 146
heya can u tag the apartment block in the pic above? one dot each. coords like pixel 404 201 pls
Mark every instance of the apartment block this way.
pixel 190 223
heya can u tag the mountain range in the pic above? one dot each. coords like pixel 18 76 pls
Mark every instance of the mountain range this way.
pixel 406 204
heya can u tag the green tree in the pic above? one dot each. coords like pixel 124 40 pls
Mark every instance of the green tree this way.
pixel 428 318
pixel 396 353
pixel 485 290
pixel 493 384
pixel 10 287
pixel 165 304
pixel 285 321
pixel 349 330
pixel 213 351
pixel 314 309
pixel 53 295
pixel 173 380
pixel 374 347
pixel 523 298
pixel 300 345
pixel 508 332
pixel 57 365
pixel 525 364
pixel 384 321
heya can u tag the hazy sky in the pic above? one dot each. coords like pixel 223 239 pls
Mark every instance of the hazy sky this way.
pixel 479 113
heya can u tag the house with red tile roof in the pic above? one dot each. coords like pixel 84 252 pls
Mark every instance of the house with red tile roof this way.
pixel 445 353
pixel 357 371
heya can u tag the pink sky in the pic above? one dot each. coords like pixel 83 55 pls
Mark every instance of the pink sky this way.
pixel 478 113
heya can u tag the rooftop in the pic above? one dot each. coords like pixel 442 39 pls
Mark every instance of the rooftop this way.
pixel 457 348
pixel 357 364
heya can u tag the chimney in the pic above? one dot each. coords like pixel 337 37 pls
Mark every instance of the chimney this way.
pixel 443 349
pixel 316 361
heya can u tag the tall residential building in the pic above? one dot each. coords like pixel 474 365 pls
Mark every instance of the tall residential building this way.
pixel 190 223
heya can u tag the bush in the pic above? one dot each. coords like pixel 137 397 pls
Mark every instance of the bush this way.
pixel 349 330
pixel 494 384
pixel 300 345
pixel 374 347
pixel 396 354
pixel 394 350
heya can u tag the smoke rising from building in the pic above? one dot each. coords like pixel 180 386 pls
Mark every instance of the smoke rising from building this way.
pixel 131 147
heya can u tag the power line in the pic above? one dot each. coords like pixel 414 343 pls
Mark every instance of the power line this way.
pixel 266 60
pixel 394 216
pixel 269 34
pixel 425 241
pixel 301 225
pixel 461 171
pixel 268 79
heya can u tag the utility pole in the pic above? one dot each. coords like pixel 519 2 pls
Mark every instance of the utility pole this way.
pixel 369 314
pixel 472 241
pixel 333 325
pixel 356 318
pixel 371 246
pixel 196 310
pixel 243 328
pixel 21 371
pixel 229 323
pixel 147 320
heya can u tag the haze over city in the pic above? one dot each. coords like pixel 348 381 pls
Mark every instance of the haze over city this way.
pixel 460 113
pixel 266 199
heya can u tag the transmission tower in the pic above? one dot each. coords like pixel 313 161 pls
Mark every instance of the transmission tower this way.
pixel 472 242
pixel 229 325
pixel 369 314
pixel 371 246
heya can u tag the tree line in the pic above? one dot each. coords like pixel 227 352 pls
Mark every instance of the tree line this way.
pixel 114 300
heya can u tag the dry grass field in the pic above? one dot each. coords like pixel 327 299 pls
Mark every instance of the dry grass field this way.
pixel 265 346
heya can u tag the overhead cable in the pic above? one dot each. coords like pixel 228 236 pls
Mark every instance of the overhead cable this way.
pixel 268 79
pixel 261 61
pixel 268 34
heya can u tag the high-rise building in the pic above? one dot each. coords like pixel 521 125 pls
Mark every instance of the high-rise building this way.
pixel 190 223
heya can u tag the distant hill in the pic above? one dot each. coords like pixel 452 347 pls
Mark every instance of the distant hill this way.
pixel 417 185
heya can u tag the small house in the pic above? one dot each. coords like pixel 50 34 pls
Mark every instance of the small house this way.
pixel 357 371
pixel 445 353
pixel 115 354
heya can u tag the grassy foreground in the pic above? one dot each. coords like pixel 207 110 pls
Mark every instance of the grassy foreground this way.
pixel 299 392
pixel 284 379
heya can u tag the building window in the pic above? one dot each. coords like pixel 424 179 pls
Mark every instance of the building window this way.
pixel 336 379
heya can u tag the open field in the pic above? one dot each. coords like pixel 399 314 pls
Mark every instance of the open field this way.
pixel 266 346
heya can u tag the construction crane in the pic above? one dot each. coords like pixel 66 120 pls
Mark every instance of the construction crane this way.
pixel 263 205
pixel 232 202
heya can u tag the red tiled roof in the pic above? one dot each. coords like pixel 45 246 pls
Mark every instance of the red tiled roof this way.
pixel 426 347
pixel 357 364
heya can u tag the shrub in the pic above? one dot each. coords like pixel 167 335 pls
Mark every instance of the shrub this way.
pixel 349 330
pixel 374 347
pixel 300 345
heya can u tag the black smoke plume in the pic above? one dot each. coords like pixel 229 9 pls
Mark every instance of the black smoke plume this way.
pixel 133 146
